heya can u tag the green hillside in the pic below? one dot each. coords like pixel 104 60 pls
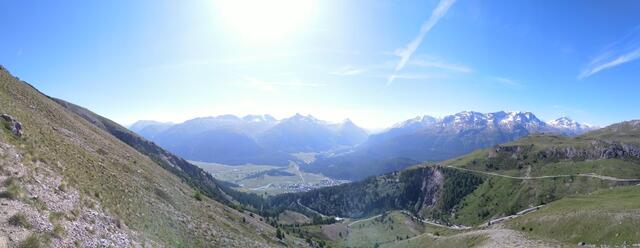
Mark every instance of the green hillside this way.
pixel 608 217
pixel 501 181
pixel 131 187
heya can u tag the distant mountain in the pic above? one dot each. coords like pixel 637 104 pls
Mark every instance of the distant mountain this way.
pixel 429 139
pixel 222 139
pixel 349 134
pixel 258 139
pixel 568 126
pixel 307 134
pixel 148 128
pixel 493 182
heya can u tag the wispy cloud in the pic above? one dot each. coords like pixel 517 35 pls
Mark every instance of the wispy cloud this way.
pixel 407 76
pixel 349 71
pixel 406 52
pixel 507 81
pixel 622 51
pixel 440 64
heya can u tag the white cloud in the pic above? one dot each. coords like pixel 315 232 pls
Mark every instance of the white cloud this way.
pixel 405 53
pixel 622 51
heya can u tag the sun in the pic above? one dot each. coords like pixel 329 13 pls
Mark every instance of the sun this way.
pixel 264 20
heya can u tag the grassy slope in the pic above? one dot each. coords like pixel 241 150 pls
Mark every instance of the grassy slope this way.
pixel 384 229
pixel 129 185
pixel 187 172
pixel 498 197
pixel 529 156
pixel 429 241
pixel 607 217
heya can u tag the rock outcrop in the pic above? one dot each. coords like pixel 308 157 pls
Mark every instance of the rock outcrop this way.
pixel 12 124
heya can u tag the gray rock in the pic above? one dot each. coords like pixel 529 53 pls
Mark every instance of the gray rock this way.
pixel 14 125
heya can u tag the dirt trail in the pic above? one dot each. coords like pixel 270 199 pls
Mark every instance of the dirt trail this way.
pixel 552 176
pixel 501 237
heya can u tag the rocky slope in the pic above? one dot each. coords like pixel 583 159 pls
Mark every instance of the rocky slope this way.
pixel 38 205
pixel 114 182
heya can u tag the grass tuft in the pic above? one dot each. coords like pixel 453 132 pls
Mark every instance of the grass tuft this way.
pixel 14 191
pixel 19 220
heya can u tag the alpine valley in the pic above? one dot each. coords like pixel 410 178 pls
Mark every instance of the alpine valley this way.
pixel 72 177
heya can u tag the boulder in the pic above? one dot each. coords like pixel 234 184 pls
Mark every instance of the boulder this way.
pixel 14 125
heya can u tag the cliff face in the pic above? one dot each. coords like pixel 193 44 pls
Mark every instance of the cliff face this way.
pixel 596 149
pixel 426 191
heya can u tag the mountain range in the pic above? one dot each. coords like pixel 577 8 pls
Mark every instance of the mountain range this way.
pixel 71 178
pixel 426 138
pixel 256 139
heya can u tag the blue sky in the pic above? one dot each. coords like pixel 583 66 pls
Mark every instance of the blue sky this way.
pixel 376 62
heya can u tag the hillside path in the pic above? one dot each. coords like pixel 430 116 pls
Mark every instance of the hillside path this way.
pixel 593 175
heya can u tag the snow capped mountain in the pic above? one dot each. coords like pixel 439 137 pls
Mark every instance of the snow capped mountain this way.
pixel 259 118
pixel 417 122
pixel 570 127
pixel 425 138
pixel 502 121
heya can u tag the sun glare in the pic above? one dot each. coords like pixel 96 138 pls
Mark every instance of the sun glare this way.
pixel 262 20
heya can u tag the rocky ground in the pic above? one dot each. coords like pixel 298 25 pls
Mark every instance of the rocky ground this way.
pixel 36 206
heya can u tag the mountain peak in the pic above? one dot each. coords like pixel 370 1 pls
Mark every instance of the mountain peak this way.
pixel 259 118
pixel 301 117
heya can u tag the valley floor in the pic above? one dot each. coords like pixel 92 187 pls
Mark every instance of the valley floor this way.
pixel 268 179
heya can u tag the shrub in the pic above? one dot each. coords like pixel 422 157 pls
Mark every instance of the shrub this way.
pixel 19 220
pixel 58 231
pixel 54 217
pixel 33 241
pixel 197 195
pixel 14 191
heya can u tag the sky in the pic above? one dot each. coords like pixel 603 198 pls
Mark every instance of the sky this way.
pixel 375 62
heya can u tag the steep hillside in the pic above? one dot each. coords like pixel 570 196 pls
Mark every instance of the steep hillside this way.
pixel 425 191
pixel 186 171
pixel 429 139
pixel 152 205
pixel 608 217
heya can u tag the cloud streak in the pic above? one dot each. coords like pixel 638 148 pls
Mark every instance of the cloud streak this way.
pixel 349 71
pixel 623 51
pixel 406 52
pixel 507 81
pixel 440 65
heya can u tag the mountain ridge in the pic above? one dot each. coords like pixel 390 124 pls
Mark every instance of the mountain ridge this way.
pixel 426 138
pixel 257 139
